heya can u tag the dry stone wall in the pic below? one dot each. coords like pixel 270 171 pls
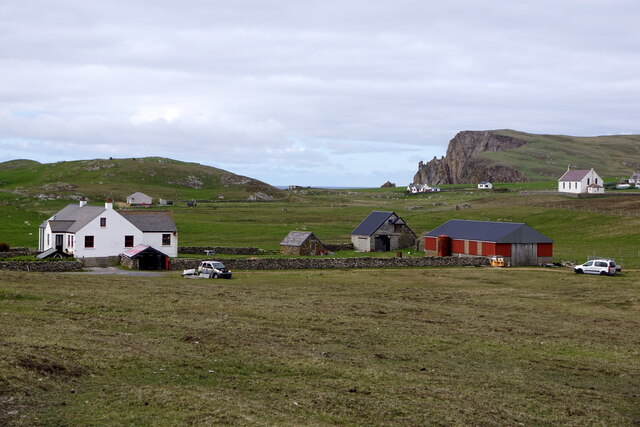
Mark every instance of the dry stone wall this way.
pixel 200 250
pixel 333 263
pixel 41 266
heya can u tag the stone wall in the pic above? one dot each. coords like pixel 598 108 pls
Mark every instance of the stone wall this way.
pixel 333 263
pixel 199 250
pixel 336 247
pixel 41 266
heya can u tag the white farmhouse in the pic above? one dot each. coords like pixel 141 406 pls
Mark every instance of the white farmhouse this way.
pixel 485 185
pixel 139 198
pixel 97 232
pixel 579 181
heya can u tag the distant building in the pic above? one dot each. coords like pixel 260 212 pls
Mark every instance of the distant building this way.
pixel 301 243
pixel 485 185
pixel 635 179
pixel 382 231
pixel 517 243
pixel 139 199
pixel 580 181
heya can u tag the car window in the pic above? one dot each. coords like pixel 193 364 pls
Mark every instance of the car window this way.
pixel 612 264
pixel 601 264
pixel 588 264
pixel 218 265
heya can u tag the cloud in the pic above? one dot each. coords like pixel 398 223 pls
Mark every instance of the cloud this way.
pixel 306 87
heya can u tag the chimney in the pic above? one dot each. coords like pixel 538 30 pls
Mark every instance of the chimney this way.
pixel 108 203
pixel 83 202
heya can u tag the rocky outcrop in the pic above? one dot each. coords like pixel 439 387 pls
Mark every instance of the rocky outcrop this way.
pixel 460 165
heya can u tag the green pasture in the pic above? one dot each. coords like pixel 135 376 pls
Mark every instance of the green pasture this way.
pixel 333 214
pixel 433 346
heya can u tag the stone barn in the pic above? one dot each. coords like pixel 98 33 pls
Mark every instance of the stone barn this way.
pixel 517 243
pixel 301 243
pixel 144 257
pixel 382 231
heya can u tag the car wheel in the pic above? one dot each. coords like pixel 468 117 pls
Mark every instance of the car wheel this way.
pixel 215 276
pixel 579 271
pixel 603 273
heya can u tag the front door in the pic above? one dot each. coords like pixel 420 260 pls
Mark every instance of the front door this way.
pixel 59 242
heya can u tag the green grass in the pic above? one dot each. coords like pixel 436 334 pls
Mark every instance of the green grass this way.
pixel 462 346
pixel 547 156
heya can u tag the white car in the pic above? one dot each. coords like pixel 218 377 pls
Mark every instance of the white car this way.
pixel 603 267
pixel 208 270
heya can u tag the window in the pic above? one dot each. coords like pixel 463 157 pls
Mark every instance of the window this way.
pixel 166 239
pixel 596 181
pixel 128 241
pixel 588 183
pixel 88 241
pixel 103 222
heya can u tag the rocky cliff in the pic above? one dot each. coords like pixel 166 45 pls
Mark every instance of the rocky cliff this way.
pixel 460 166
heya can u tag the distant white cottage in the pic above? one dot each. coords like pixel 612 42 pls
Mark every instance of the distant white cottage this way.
pixel 96 232
pixel 581 181
pixel 485 185
pixel 139 198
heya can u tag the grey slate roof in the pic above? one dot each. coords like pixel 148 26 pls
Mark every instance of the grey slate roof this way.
pixel 574 175
pixel 150 221
pixel 73 217
pixel 296 238
pixel 372 222
pixel 487 231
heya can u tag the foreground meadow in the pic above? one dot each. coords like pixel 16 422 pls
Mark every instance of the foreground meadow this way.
pixel 411 346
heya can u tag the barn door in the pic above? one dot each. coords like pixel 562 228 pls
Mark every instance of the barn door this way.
pixel 524 254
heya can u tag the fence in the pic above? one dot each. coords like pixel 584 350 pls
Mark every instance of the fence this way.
pixel 591 209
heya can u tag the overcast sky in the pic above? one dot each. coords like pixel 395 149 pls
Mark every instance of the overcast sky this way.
pixel 337 93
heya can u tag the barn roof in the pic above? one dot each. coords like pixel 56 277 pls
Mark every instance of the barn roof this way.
pixel 137 194
pixel 574 175
pixel 140 249
pixel 148 222
pixel 372 222
pixel 297 238
pixel 488 231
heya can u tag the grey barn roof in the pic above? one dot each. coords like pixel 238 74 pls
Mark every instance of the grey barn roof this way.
pixel 150 221
pixel 297 238
pixel 372 222
pixel 487 231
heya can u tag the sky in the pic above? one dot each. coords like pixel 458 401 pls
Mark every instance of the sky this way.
pixel 324 93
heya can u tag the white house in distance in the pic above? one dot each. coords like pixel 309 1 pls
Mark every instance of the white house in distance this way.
pixel 139 198
pixel 96 232
pixel 580 181
pixel 485 185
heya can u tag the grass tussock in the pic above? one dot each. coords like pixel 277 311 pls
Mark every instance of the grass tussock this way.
pixel 413 346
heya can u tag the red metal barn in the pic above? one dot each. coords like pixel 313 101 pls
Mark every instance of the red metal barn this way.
pixel 517 243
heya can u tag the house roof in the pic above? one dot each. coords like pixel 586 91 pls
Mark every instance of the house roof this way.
pixel 484 182
pixel 73 217
pixel 148 222
pixel 297 238
pixel 488 231
pixel 374 221
pixel 574 175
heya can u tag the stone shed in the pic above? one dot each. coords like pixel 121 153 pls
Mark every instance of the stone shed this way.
pixel 382 231
pixel 301 243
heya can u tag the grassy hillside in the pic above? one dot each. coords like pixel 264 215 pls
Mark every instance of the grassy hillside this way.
pixel 117 178
pixel 547 156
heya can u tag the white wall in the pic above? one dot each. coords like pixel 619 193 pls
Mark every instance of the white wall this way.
pixel 109 240
pixel 155 240
pixel 578 187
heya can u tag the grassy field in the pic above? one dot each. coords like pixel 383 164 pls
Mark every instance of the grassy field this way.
pixel 579 227
pixel 452 346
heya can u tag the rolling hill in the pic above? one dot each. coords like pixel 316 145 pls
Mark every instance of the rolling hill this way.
pixel 512 156
pixel 117 178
